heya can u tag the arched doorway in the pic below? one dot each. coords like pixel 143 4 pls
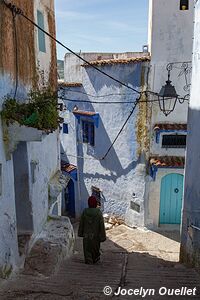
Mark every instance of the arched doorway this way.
pixel 171 195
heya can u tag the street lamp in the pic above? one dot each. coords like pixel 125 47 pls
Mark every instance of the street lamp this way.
pixel 167 96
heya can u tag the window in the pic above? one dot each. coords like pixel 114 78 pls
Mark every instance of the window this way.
pixel 41 34
pixel 174 141
pixel 1 180
pixel 88 132
pixel 184 4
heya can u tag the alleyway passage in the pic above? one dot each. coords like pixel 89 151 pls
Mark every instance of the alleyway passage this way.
pixel 132 259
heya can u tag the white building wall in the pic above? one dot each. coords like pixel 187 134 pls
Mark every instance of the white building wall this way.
pixel 43 58
pixel 170 39
pixel 190 241
pixel 73 72
pixel 45 154
pixel 9 257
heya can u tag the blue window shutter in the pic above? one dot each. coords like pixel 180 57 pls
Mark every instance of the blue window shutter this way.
pixel 41 34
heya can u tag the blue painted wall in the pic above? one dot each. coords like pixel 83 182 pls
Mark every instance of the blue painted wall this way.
pixel 122 173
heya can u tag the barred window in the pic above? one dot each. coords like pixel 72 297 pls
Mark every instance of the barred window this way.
pixel 174 141
pixel 88 132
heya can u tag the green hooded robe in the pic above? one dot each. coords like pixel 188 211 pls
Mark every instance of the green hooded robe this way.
pixel 92 229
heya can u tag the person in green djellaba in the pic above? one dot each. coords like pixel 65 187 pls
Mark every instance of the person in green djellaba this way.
pixel 92 229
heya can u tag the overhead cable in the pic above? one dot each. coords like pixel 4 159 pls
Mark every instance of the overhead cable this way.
pixel 131 112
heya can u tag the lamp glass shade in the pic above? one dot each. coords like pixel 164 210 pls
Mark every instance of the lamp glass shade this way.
pixel 167 98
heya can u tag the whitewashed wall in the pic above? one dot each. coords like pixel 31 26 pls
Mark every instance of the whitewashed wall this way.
pixel 190 241
pixel 43 58
pixel 121 176
pixel 170 39
pixel 9 257
pixel 46 154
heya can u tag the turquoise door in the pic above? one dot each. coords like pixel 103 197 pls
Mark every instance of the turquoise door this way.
pixel 171 199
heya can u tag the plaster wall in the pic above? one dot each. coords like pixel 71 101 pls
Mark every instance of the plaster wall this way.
pixel 190 241
pixel 153 207
pixel 121 175
pixel 170 40
pixel 8 234
pixel 73 72
pixel 46 60
pixel 45 153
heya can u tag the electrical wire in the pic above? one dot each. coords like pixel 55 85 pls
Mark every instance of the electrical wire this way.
pixel 99 96
pixel 17 10
pixel 113 102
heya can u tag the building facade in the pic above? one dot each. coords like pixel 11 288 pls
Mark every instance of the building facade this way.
pixel 95 115
pixel 170 47
pixel 28 165
pixel 190 240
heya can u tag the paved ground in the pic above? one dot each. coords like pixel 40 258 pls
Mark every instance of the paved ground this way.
pixel 131 259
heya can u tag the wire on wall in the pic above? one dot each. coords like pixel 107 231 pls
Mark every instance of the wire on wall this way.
pixel 111 102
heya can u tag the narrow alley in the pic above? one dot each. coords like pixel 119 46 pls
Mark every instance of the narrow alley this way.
pixel 131 258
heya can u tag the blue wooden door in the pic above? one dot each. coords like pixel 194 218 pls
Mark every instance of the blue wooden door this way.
pixel 70 199
pixel 171 199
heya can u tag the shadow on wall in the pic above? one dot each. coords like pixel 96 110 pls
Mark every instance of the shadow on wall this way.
pixel 131 76
pixel 63 154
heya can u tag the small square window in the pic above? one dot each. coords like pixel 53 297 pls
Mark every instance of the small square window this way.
pixel 41 34
pixel 88 132
pixel 174 141
pixel 184 4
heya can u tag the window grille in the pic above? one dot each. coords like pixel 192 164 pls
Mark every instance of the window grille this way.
pixel 174 141
pixel 88 132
